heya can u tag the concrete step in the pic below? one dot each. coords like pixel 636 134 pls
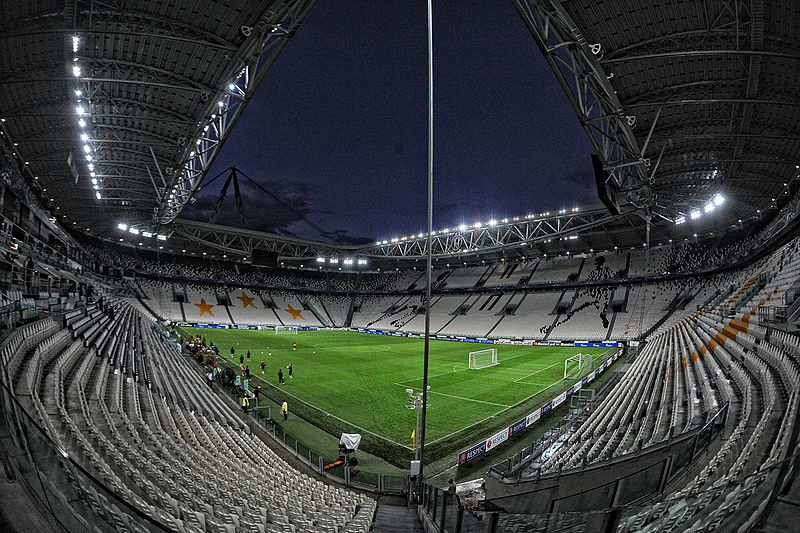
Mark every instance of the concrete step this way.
pixel 395 519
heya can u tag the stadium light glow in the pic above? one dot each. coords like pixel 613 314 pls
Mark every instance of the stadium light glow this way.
pixel 82 123
pixel 718 199
pixel 98 196
pixel 348 261
pixel 334 260
pixel 362 261
pixel 84 136
pixel 123 227
pixel 147 234
pixel 78 92
pixel 161 237
pixel 694 215
pixel 320 259
pixel 76 71
pixel 76 41
pixel 462 227
pixel 708 207
pixel 80 110
pixel 680 220
pixel 134 231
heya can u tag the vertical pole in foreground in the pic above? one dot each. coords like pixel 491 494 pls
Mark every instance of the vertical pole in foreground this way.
pixel 428 266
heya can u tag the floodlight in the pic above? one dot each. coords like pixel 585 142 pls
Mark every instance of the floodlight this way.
pixel 75 42
pixel 680 220
pixel 161 237
pixel 84 136
pixel 708 207
pixel 77 92
pixel 82 123
pixel 348 261
pixel 123 227
pixel 147 234
pixel 694 215
pixel 98 196
pixel 320 259
pixel 79 110
pixel 719 199
pixel 76 71
pixel 462 227
pixel 134 231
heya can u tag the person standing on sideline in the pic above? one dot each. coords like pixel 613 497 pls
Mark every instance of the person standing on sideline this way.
pixel 248 356
pixel 245 403
pixel 210 377
pixel 280 376
pixel 285 410
pixel 289 368
pixel 294 345
pixel 263 366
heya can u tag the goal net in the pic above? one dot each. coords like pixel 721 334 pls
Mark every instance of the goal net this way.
pixel 286 330
pixel 483 358
pixel 577 366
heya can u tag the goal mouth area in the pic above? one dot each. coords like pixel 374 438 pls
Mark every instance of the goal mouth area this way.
pixel 578 365
pixel 483 359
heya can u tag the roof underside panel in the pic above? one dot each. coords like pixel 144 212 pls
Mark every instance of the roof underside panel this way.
pixel 719 84
pixel 151 75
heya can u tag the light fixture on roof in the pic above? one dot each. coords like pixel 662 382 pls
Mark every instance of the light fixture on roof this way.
pixel 84 136
pixel 161 237
pixel 134 231
pixel 78 92
pixel 80 110
pixel 718 199
pixel 694 215
pixel 76 41
pixel 122 226
pixel 147 234
pixel 98 195
pixel 76 71
pixel 82 123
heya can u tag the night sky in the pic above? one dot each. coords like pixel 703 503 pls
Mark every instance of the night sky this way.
pixel 338 127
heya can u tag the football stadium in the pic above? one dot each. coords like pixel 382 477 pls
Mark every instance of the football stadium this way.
pixel 446 267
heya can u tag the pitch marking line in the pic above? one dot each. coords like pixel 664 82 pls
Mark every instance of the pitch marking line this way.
pixel 540 370
pixel 462 398
pixel 460 370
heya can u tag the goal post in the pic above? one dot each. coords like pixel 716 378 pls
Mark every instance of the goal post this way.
pixel 286 330
pixel 577 366
pixel 483 359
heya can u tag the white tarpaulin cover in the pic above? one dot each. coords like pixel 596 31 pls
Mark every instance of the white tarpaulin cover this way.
pixel 350 440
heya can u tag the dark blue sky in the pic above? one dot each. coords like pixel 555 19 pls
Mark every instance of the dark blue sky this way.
pixel 338 128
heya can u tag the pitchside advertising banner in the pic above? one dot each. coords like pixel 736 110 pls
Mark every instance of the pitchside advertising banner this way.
pixel 518 427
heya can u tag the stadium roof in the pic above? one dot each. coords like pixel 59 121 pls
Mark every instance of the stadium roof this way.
pixel 138 96
pixel 682 100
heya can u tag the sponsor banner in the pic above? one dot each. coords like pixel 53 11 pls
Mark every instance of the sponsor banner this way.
pixel 571 391
pixel 472 453
pixel 558 400
pixel 575 388
pixel 211 326
pixel 546 408
pixel 496 439
pixel 589 377
pixel 517 427
pixel 183 324
pixel 533 417
pixel 597 344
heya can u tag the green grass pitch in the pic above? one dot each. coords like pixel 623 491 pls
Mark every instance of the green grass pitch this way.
pixel 361 378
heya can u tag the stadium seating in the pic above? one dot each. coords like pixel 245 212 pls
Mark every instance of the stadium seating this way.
pixel 110 392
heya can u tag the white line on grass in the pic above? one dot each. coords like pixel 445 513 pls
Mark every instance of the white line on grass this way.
pixel 540 370
pixel 461 397
pixel 460 370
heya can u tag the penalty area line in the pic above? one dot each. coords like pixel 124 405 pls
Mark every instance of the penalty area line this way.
pixel 463 398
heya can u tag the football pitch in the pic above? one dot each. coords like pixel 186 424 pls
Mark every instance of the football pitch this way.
pixel 361 378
